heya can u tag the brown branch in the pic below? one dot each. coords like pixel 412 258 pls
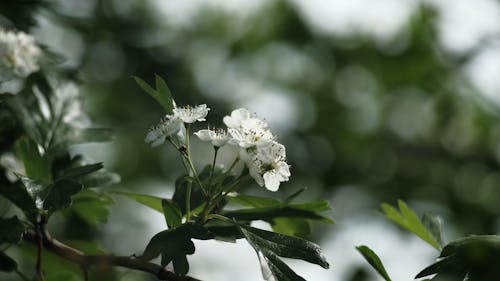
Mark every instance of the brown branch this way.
pixel 86 261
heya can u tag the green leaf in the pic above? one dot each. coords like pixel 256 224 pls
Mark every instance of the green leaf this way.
pixel 409 220
pixel 270 245
pixel 19 196
pixel 100 178
pixel 270 213
pixel 285 246
pixel 292 226
pixel 152 202
pixel 76 172
pixel 37 166
pixel 59 194
pixel 476 257
pixel 11 230
pixel 434 225
pixel 7 263
pixel 92 206
pixel 161 94
pixel 25 117
pixel 174 244
pixel 252 201
pixel 164 94
pixel 374 261
pixel 172 213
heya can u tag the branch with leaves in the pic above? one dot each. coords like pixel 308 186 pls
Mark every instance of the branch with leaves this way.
pixel 207 203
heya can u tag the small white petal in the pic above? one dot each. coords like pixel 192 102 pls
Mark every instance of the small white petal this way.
pixel 272 180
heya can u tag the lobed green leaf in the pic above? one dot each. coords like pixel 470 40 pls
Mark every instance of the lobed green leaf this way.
pixel 409 220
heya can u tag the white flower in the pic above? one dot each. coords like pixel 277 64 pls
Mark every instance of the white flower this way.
pixel 189 114
pixel 247 131
pixel 267 165
pixel 167 127
pixel 218 137
pixel 18 54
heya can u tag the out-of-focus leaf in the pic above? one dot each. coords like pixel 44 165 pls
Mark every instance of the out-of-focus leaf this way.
pixel 92 206
pixel 36 165
pixel 372 258
pixel 25 118
pixel 164 94
pixel 434 225
pixel 11 230
pixel 62 276
pixel 152 202
pixel 174 244
pixel 59 194
pixel 172 213
pixel 409 220
pixel 253 201
pixel 292 226
pixel 76 172
pixel 161 94
pixel 476 257
pixel 270 245
pixel 100 178
pixel 19 196
pixel 270 213
pixel 7 263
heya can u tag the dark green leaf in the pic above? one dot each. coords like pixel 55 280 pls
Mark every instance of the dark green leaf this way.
pixel 273 268
pixel 19 196
pixel 253 201
pixel 270 213
pixel 172 213
pixel 374 261
pixel 476 257
pixel 174 244
pixel 76 172
pixel 152 202
pixel 36 165
pixel 7 263
pixel 11 230
pixel 169 241
pixel 409 220
pixel 270 245
pixel 59 194
pixel 284 245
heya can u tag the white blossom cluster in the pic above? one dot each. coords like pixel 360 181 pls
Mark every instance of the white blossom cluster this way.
pixel 261 153
pixel 18 54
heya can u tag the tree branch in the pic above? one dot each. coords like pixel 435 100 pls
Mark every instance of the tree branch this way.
pixel 86 261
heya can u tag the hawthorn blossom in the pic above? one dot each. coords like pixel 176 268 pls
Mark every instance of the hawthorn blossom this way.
pixel 167 127
pixel 267 165
pixel 218 137
pixel 247 131
pixel 18 54
pixel 189 114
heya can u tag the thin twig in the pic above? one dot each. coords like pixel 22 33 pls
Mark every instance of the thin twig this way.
pixel 86 261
